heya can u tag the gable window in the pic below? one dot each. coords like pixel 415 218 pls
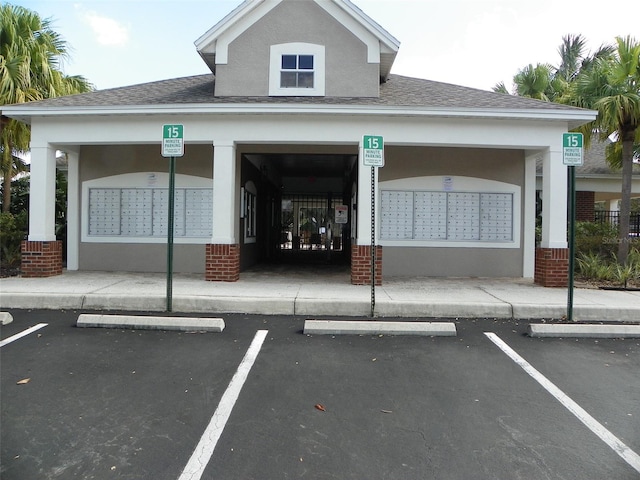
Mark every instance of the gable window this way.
pixel 296 69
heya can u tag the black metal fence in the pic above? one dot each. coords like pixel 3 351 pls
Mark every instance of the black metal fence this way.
pixel 613 217
pixel 308 223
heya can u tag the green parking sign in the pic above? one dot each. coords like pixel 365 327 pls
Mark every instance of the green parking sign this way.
pixel 572 152
pixel 172 140
pixel 373 151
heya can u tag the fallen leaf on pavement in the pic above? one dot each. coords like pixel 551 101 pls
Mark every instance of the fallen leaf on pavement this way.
pixel 320 407
pixel 24 381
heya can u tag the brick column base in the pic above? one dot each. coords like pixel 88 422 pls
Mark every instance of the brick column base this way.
pixel 222 263
pixel 41 259
pixel 361 265
pixel 552 267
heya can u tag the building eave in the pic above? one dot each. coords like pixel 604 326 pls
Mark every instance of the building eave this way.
pixel 574 118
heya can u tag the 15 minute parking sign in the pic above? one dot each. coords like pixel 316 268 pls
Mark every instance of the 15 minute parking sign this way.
pixel 572 149
pixel 373 151
pixel 172 140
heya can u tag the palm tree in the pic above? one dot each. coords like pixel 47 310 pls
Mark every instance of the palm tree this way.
pixel 612 87
pixel 546 82
pixel 571 53
pixel 535 82
pixel 30 56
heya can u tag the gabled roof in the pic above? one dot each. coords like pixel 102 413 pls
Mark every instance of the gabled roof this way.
pixel 382 46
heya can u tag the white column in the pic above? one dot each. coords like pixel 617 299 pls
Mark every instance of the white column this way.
pixel 529 218
pixel 42 195
pixel 554 200
pixel 73 209
pixel 224 193
pixel 363 205
pixel 614 205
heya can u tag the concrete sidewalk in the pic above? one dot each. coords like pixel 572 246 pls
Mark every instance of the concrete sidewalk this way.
pixel 316 294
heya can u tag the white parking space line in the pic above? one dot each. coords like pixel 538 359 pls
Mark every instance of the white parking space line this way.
pixel 628 455
pixel 18 336
pixel 204 450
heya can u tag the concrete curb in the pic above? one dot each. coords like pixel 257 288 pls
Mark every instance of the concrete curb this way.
pixel 44 301
pixel 363 327
pixel 145 303
pixel 410 308
pixel 183 324
pixel 248 305
pixel 5 318
pixel 324 307
pixel 584 331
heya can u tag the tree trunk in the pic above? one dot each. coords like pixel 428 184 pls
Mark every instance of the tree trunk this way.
pixel 6 192
pixel 625 202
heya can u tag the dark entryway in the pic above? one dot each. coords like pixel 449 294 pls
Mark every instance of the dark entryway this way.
pixel 308 205
pixel 314 228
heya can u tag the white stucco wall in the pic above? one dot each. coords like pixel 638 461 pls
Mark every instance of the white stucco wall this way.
pixel 327 126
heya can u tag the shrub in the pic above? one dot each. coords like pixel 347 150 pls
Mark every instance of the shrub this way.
pixel 596 238
pixel 622 274
pixel 13 229
pixel 593 266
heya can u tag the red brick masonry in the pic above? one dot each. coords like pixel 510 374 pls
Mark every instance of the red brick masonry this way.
pixel 361 265
pixel 222 263
pixel 552 267
pixel 585 206
pixel 41 259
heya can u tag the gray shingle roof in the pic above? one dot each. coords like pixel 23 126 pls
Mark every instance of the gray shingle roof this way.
pixel 397 91
pixel 595 162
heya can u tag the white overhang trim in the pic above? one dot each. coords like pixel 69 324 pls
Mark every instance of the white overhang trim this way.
pixel 575 118
pixel 363 27
pixel 384 36
pixel 218 38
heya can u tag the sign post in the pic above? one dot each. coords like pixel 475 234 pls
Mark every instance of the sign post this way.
pixel 373 156
pixel 572 156
pixel 172 147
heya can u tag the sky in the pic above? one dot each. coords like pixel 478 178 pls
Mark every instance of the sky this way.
pixel 475 43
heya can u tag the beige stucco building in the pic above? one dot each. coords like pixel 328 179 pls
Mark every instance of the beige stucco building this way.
pixel 274 165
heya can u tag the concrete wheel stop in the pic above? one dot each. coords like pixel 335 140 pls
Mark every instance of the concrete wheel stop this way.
pixel 580 330
pixel 375 327
pixel 5 318
pixel 140 322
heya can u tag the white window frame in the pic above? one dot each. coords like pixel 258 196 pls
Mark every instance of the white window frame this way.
pixel 250 212
pixel 275 69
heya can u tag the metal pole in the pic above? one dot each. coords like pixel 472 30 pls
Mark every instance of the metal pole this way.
pixel 373 241
pixel 172 188
pixel 572 239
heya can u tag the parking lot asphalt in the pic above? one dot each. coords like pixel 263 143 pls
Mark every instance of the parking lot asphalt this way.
pixel 128 404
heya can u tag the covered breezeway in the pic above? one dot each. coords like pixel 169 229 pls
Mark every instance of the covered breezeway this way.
pixel 304 198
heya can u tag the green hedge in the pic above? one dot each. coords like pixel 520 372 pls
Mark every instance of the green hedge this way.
pixel 13 228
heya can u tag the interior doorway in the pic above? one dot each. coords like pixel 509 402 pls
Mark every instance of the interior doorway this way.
pixel 314 228
pixel 307 205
